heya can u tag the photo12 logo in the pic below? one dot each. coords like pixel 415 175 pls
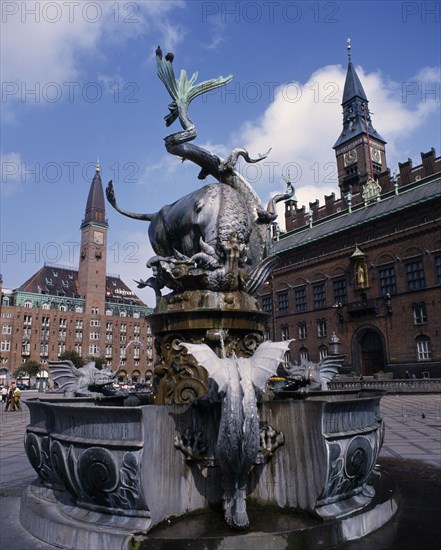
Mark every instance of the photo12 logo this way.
pixel 66 172
pixel 54 12
pixel 54 92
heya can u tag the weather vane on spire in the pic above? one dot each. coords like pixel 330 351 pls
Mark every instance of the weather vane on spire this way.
pixel 97 167
pixel 349 49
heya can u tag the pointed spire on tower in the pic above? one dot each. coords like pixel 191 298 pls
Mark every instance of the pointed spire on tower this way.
pixel 356 115
pixel 95 206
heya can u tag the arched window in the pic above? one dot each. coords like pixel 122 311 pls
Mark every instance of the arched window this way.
pixel 45 306
pixel 304 354
pixel 27 304
pixel 79 309
pixel 62 307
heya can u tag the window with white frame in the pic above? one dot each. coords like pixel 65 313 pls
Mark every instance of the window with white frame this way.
pixel 94 323
pixel 419 314
pixel 63 323
pixel 304 354
pixel 45 321
pixel 27 304
pixel 5 345
pixel 78 309
pixel 7 329
pixel 302 331
pixel 78 348
pixel 61 348
pixel 95 311
pixel 424 348
pixel 109 312
pixel 45 305
pixel 284 332
pixel 27 319
pixel 78 323
pixel 323 352
pixel 94 336
pixel 94 349
pixel 123 327
pixel 109 325
pixel 62 307
pixel 321 328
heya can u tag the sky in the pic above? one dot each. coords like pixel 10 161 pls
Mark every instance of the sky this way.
pixel 79 84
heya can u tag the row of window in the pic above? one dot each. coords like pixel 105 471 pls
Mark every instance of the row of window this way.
pixel 419 317
pixel 64 307
pixel 388 285
pixel 423 351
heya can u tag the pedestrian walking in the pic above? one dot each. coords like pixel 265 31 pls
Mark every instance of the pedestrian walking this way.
pixel 14 399
pixel 5 390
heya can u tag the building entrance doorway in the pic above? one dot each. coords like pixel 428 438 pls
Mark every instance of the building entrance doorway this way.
pixel 369 352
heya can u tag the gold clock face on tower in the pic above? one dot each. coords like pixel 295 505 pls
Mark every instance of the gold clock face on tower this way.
pixel 350 157
pixel 98 237
pixel 376 155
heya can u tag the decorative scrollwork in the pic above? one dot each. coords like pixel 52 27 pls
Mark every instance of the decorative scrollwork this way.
pixel 97 471
pixel 33 451
pixel 358 458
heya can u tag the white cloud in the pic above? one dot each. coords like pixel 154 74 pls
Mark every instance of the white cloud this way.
pixel 127 258
pixel 48 41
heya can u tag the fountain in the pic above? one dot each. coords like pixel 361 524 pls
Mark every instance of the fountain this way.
pixel 114 474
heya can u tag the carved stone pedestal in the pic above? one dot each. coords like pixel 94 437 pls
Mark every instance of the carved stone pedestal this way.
pixel 226 321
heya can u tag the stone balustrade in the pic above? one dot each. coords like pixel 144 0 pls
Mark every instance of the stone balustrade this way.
pixel 432 385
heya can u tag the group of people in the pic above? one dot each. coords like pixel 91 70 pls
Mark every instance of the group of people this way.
pixel 11 396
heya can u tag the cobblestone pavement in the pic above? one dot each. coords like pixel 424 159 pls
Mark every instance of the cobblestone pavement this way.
pixel 411 450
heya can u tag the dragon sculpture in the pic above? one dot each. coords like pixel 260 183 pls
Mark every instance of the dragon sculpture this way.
pixel 215 238
pixel 239 434
pixel 82 382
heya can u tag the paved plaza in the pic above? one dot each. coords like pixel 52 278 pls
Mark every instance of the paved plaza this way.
pixel 411 453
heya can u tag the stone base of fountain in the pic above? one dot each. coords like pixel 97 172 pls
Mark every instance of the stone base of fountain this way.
pixel 106 477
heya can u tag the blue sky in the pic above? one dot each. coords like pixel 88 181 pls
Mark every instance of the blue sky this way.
pixel 79 83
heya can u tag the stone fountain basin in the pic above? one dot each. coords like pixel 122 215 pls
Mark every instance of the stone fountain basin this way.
pixel 118 470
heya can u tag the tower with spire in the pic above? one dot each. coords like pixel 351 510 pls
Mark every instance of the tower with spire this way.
pixel 360 150
pixel 92 268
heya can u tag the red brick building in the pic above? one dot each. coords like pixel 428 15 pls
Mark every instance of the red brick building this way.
pixel 59 309
pixel 365 266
